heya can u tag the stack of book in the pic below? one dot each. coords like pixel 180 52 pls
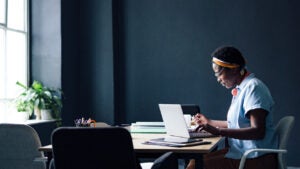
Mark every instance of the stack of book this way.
pixel 148 127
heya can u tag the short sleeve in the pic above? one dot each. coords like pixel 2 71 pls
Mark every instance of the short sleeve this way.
pixel 257 96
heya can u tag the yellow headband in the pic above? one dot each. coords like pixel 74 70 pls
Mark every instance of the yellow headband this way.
pixel 225 64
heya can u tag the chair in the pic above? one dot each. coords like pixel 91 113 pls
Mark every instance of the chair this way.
pixel 99 147
pixel 19 147
pixel 166 161
pixel 283 130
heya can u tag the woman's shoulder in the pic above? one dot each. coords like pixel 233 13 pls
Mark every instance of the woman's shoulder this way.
pixel 253 81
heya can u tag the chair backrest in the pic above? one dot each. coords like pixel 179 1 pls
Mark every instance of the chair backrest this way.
pixel 93 147
pixel 166 161
pixel 283 130
pixel 19 147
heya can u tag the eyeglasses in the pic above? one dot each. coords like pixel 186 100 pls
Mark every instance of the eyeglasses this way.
pixel 217 69
pixel 217 74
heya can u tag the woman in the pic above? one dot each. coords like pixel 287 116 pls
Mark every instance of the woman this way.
pixel 249 121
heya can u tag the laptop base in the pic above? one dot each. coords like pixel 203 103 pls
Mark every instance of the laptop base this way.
pixel 176 139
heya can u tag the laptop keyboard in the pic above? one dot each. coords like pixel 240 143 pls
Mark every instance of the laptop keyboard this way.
pixel 201 134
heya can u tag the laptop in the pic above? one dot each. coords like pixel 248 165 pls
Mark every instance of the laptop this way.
pixel 176 127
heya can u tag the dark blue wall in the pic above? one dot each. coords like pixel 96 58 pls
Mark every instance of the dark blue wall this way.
pixel 96 59
pixel 120 58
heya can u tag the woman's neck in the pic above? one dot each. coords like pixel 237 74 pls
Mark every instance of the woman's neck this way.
pixel 243 74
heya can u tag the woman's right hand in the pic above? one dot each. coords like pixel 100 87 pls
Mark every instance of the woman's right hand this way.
pixel 200 119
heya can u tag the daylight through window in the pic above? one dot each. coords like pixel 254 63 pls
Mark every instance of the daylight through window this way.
pixel 13 52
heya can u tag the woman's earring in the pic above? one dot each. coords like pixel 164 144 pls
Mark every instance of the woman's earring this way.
pixel 242 72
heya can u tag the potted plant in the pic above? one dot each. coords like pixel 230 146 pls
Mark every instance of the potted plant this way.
pixel 43 100
pixel 23 106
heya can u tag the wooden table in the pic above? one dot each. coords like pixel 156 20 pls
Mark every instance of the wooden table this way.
pixel 154 151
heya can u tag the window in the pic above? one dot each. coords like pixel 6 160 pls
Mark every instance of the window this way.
pixel 13 51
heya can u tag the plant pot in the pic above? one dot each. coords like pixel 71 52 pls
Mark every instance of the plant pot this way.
pixel 46 114
pixel 20 116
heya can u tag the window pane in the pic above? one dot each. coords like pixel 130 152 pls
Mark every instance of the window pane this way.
pixel 16 14
pixel 2 64
pixel 16 62
pixel 13 53
pixel 2 11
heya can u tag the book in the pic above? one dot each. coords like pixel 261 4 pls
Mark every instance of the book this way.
pixel 148 130
pixel 148 124
pixel 147 127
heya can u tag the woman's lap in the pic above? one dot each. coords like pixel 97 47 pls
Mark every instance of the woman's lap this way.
pixel 217 160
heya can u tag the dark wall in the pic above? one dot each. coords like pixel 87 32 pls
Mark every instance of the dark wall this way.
pixel 70 61
pixel 45 38
pixel 167 47
pixel 96 60
pixel 120 58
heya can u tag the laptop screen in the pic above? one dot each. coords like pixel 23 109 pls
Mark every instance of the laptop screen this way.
pixel 173 118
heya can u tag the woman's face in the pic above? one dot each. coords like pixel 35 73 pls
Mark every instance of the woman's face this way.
pixel 225 76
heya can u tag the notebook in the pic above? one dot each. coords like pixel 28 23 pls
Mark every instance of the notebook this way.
pixel 176 128
pixel 162 142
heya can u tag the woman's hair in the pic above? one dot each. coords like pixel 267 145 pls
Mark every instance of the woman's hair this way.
pixel 229 55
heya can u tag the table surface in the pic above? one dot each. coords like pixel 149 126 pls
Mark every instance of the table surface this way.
pixel 139 147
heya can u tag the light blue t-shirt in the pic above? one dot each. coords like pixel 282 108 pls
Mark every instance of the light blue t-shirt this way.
pixel 252 94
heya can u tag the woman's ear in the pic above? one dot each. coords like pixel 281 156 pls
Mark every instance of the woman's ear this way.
pixel 236 71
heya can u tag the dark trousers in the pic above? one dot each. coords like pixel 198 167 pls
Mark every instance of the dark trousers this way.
pixel 217 160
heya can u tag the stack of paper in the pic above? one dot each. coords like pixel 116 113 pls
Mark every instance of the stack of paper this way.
pixel 148 127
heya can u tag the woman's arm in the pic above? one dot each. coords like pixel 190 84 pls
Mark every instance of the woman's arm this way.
pixel 218 123
pixel 255 132
pixel 200 119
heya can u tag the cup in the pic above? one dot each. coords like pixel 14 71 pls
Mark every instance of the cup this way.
pixel 188 119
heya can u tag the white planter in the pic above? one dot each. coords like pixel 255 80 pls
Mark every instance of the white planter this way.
pixel 20 116
pixel 46 114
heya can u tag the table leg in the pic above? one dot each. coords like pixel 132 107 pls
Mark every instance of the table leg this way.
pixel 199 162
pixel 49 158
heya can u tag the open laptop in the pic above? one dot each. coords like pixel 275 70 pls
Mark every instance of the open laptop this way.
pixel 176 127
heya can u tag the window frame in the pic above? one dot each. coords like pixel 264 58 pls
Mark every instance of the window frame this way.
pixel 5 101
